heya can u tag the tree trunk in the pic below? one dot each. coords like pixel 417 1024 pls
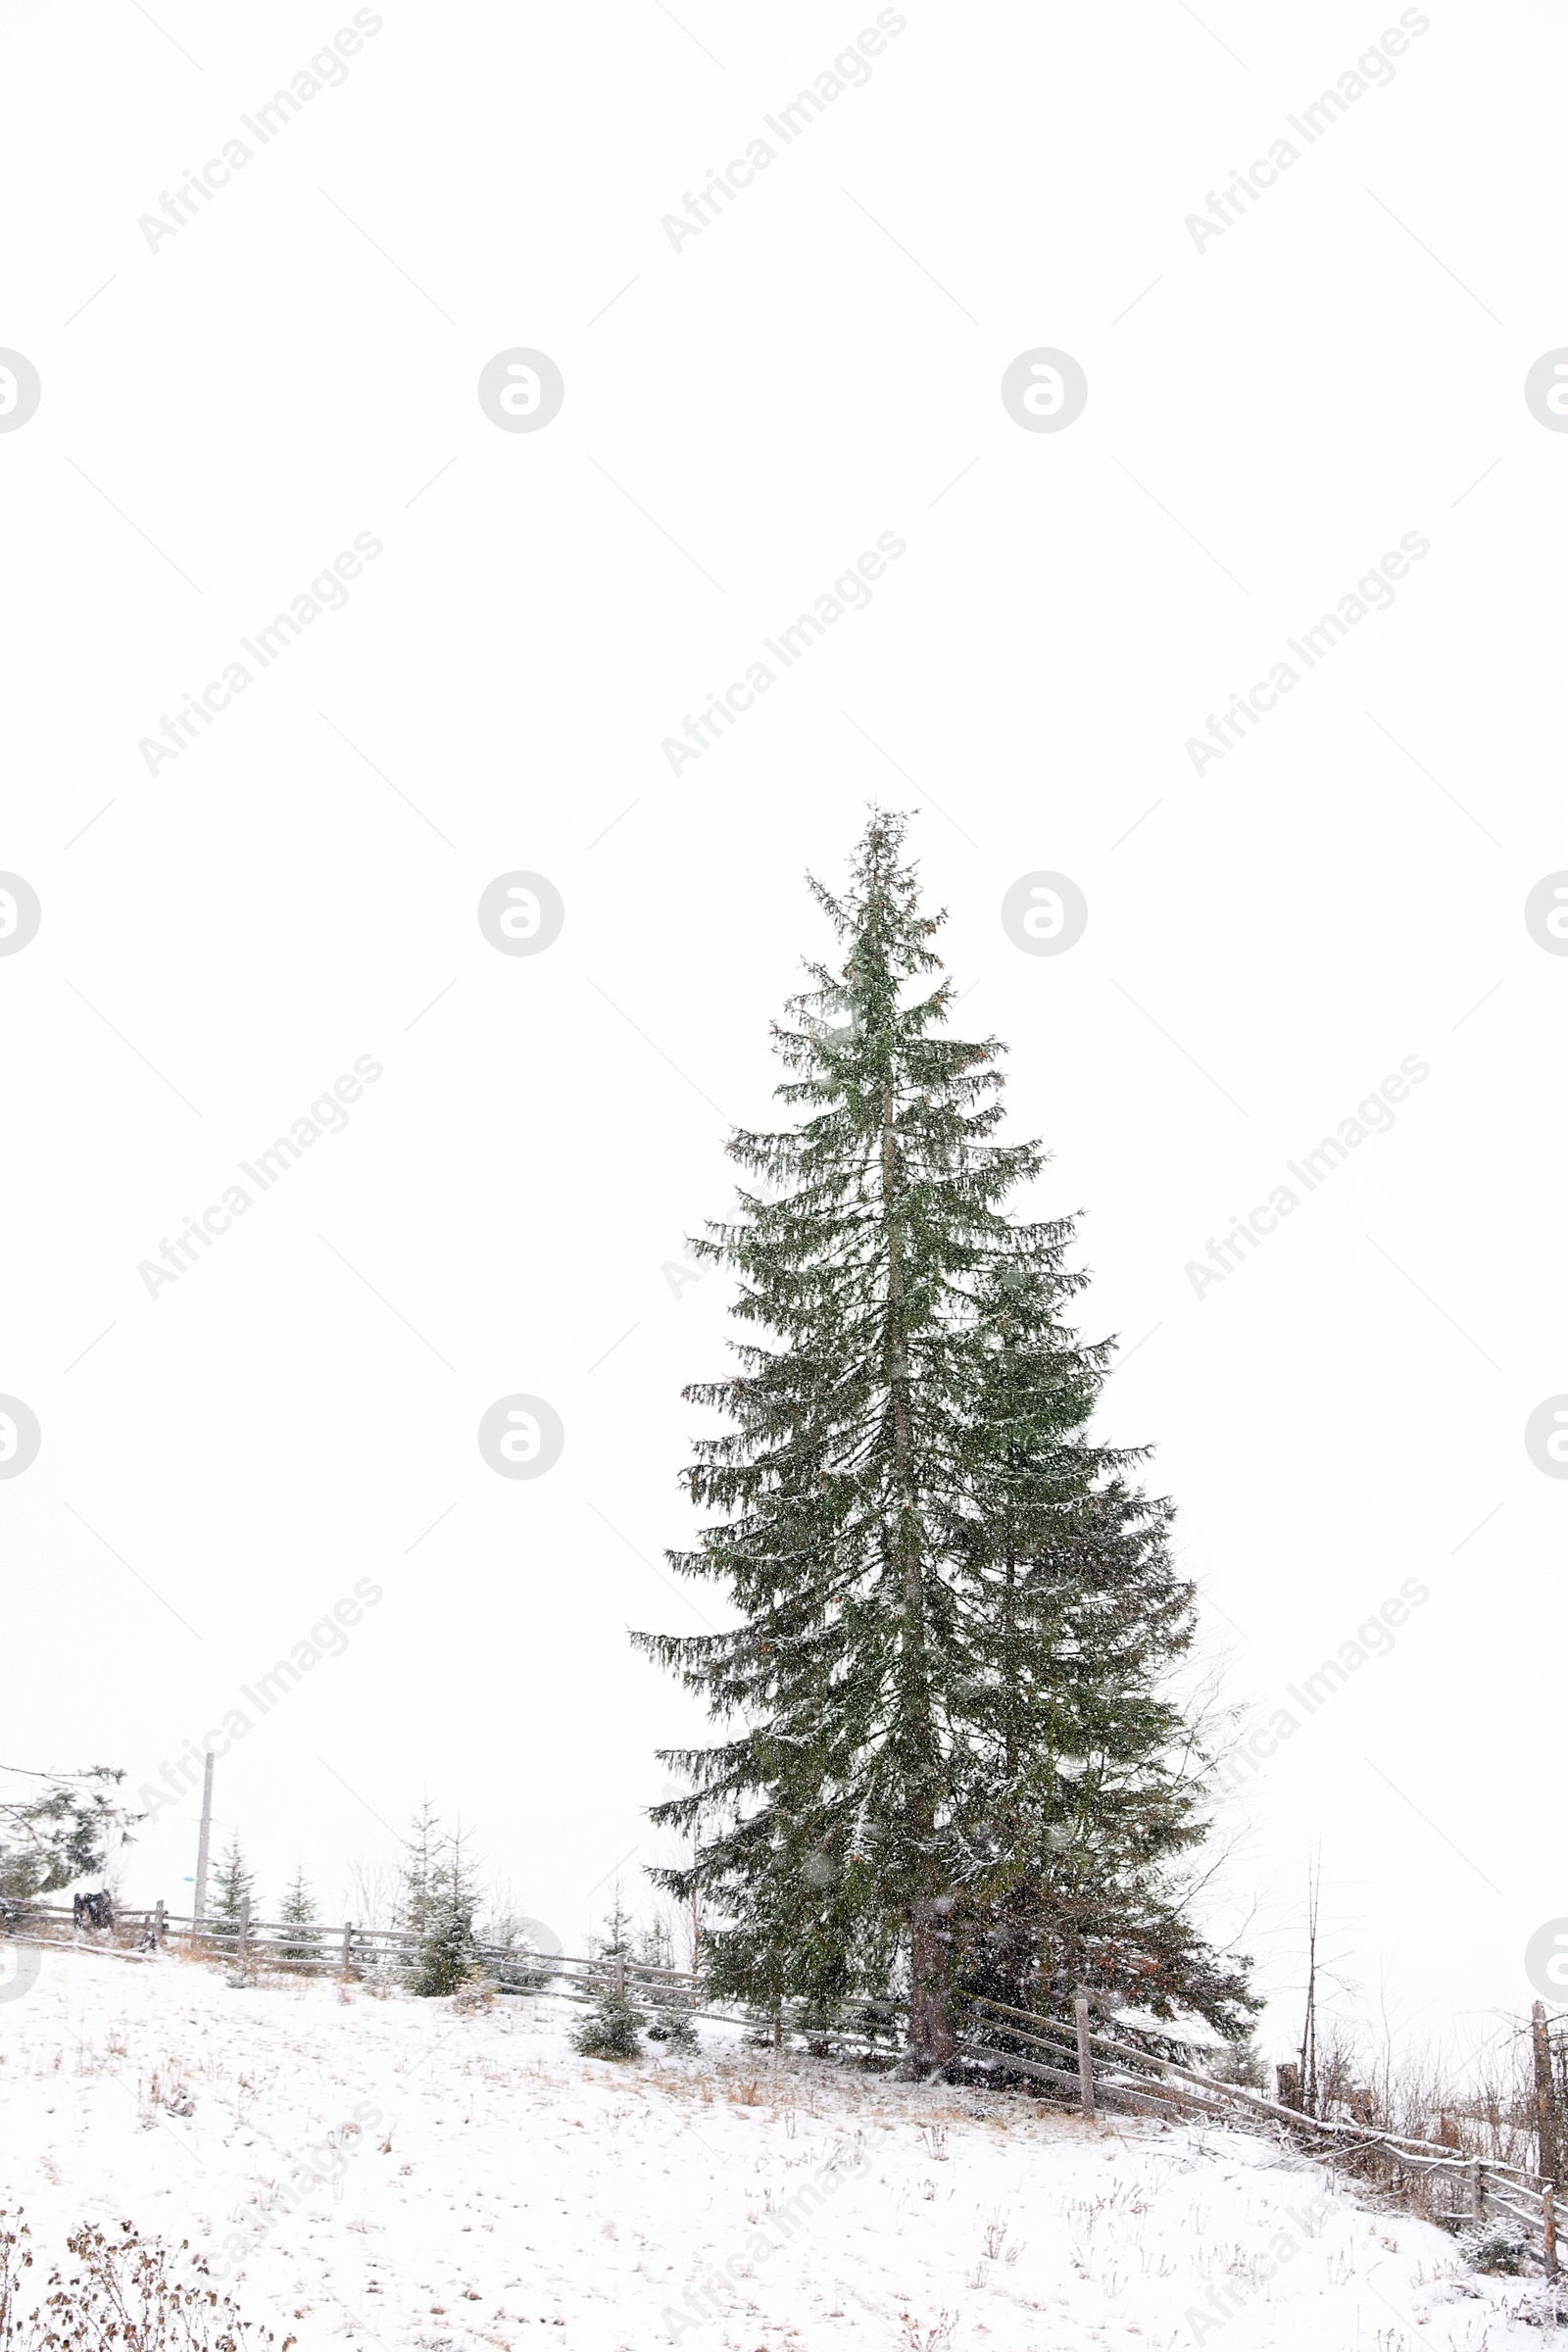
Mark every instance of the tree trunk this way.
pixel 931 2036
pixel 1010 1622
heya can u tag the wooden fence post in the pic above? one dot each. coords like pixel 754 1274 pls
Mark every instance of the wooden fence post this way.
pixel 1478 2190
pixel 617 1975
pixel 347 1948
pixel 1086 2063
pixel 243 1937
pixel 1548 2228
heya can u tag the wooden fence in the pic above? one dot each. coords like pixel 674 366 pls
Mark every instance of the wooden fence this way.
pixel 1128 2070
pixel 368 1954
pixel 1134 2071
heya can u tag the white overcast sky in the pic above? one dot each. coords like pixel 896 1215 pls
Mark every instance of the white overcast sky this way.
pixel 1270 410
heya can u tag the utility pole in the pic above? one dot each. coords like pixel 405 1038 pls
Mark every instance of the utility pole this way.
pixel 198 1908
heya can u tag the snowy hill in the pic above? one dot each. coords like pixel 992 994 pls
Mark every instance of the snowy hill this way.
pixel 406 2174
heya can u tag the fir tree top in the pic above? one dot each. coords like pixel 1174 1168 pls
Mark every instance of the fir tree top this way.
pixel 298 1907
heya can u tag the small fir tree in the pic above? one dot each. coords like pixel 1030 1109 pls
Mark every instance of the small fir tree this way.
pixel 299 1918
pixel 233 1887
pixel 950 1760
pixel 447 1957
pixel 1244 2063
pixel 612 2029
pixel 672 2021
pixel 656 1946
pixel 519 1947
pixel 614 2024
pixel 670 2003
pixel 614 1937
pixel 411 1910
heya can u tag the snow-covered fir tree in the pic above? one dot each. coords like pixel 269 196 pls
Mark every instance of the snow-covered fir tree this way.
pixel 612 1938
pixel 300 1919
pixel 447 1957
pixel 233 1887
pixel 417 1873
pixel 952 1762
pixel 58 1826
pixel 614 2025
pixel 669 2001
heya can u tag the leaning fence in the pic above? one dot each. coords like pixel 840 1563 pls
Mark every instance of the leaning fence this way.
pixel 1128 2070
pixel 1136 2072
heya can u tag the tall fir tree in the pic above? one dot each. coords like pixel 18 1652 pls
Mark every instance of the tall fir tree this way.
pixel 952 1762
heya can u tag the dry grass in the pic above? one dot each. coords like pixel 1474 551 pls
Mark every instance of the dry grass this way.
pixel 122 2294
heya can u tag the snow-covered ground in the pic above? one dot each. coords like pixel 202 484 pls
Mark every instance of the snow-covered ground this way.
pixel 404 2174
